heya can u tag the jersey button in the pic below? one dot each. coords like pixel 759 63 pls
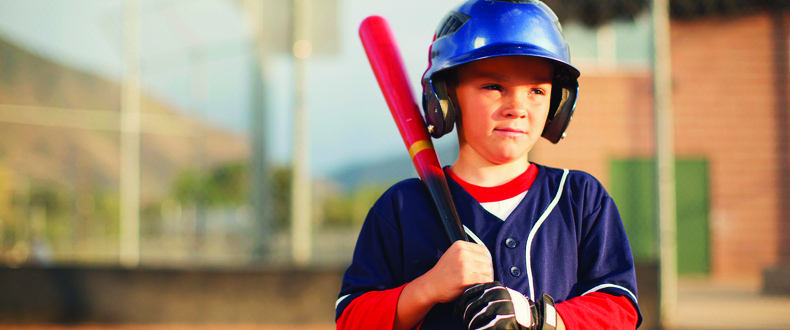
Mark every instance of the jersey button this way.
pixel 511 243
pixel 515 271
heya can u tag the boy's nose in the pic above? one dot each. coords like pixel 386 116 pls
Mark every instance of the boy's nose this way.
pixel 516 106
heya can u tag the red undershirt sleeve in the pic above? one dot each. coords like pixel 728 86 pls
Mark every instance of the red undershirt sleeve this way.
pixel 598 310
pixel 372 310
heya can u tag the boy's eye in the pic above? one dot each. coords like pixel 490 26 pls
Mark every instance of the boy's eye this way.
pixel 539 91
pixel 493 87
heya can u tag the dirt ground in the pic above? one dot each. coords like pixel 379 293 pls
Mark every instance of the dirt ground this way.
pixel 702 305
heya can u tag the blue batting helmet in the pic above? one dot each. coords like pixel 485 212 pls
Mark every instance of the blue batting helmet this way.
pixel 479 29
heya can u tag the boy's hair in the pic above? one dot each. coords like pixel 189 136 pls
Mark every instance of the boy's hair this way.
pixel 479 29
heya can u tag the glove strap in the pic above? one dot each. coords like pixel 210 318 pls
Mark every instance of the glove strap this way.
pixel 548 314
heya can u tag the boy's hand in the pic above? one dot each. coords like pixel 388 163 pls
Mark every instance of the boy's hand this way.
pixel 494 306
pixel 462 265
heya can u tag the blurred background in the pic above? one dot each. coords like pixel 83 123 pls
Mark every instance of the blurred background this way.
pixel 208 163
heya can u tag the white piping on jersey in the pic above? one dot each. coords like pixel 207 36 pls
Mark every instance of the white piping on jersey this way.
pixel 473 236
pixel 535 230
pixel 340 299
pixel 610 286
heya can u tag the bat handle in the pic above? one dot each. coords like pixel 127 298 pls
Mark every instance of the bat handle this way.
pixel 427 164
pixel 452 225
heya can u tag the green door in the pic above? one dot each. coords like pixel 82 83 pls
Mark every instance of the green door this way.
pixel 633 190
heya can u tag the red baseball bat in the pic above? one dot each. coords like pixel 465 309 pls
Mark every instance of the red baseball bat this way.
pixel 384 57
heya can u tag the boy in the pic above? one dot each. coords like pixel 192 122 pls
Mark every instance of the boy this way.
pixel 501 69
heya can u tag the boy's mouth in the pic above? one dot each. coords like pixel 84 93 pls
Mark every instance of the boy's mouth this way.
pixel 507 131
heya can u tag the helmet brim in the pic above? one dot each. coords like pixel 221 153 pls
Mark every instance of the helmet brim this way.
pixel 503 50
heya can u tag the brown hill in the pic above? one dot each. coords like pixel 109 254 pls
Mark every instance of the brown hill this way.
pixel 60 125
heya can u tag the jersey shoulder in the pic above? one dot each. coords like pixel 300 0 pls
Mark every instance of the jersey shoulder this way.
pixel 575 178
pixel 578 185
pixel 405 192
pixel 405 189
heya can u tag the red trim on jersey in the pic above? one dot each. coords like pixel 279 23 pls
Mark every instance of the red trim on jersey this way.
pixel 598 310
pixel 499 193
pixel 372 310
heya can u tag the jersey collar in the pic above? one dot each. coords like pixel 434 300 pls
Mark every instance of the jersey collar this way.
pixel 505 191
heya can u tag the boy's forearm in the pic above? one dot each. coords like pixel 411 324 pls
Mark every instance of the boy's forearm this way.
pixel 413 305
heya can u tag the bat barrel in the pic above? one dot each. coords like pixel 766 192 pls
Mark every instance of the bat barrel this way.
pixel 382 51
pixel 384 57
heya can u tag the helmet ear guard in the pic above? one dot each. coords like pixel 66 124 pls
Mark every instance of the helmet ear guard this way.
pixel 439 109
pixel 564 90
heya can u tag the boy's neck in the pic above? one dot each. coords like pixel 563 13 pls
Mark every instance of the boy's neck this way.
pixel 480 172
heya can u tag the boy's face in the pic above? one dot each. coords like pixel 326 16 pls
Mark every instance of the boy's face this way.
pixel 504 102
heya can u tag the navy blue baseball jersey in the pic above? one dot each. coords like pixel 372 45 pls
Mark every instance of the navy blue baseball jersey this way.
pixel 565 238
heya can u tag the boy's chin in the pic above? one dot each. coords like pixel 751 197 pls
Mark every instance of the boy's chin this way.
pixel 495 156
pixel 507 158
